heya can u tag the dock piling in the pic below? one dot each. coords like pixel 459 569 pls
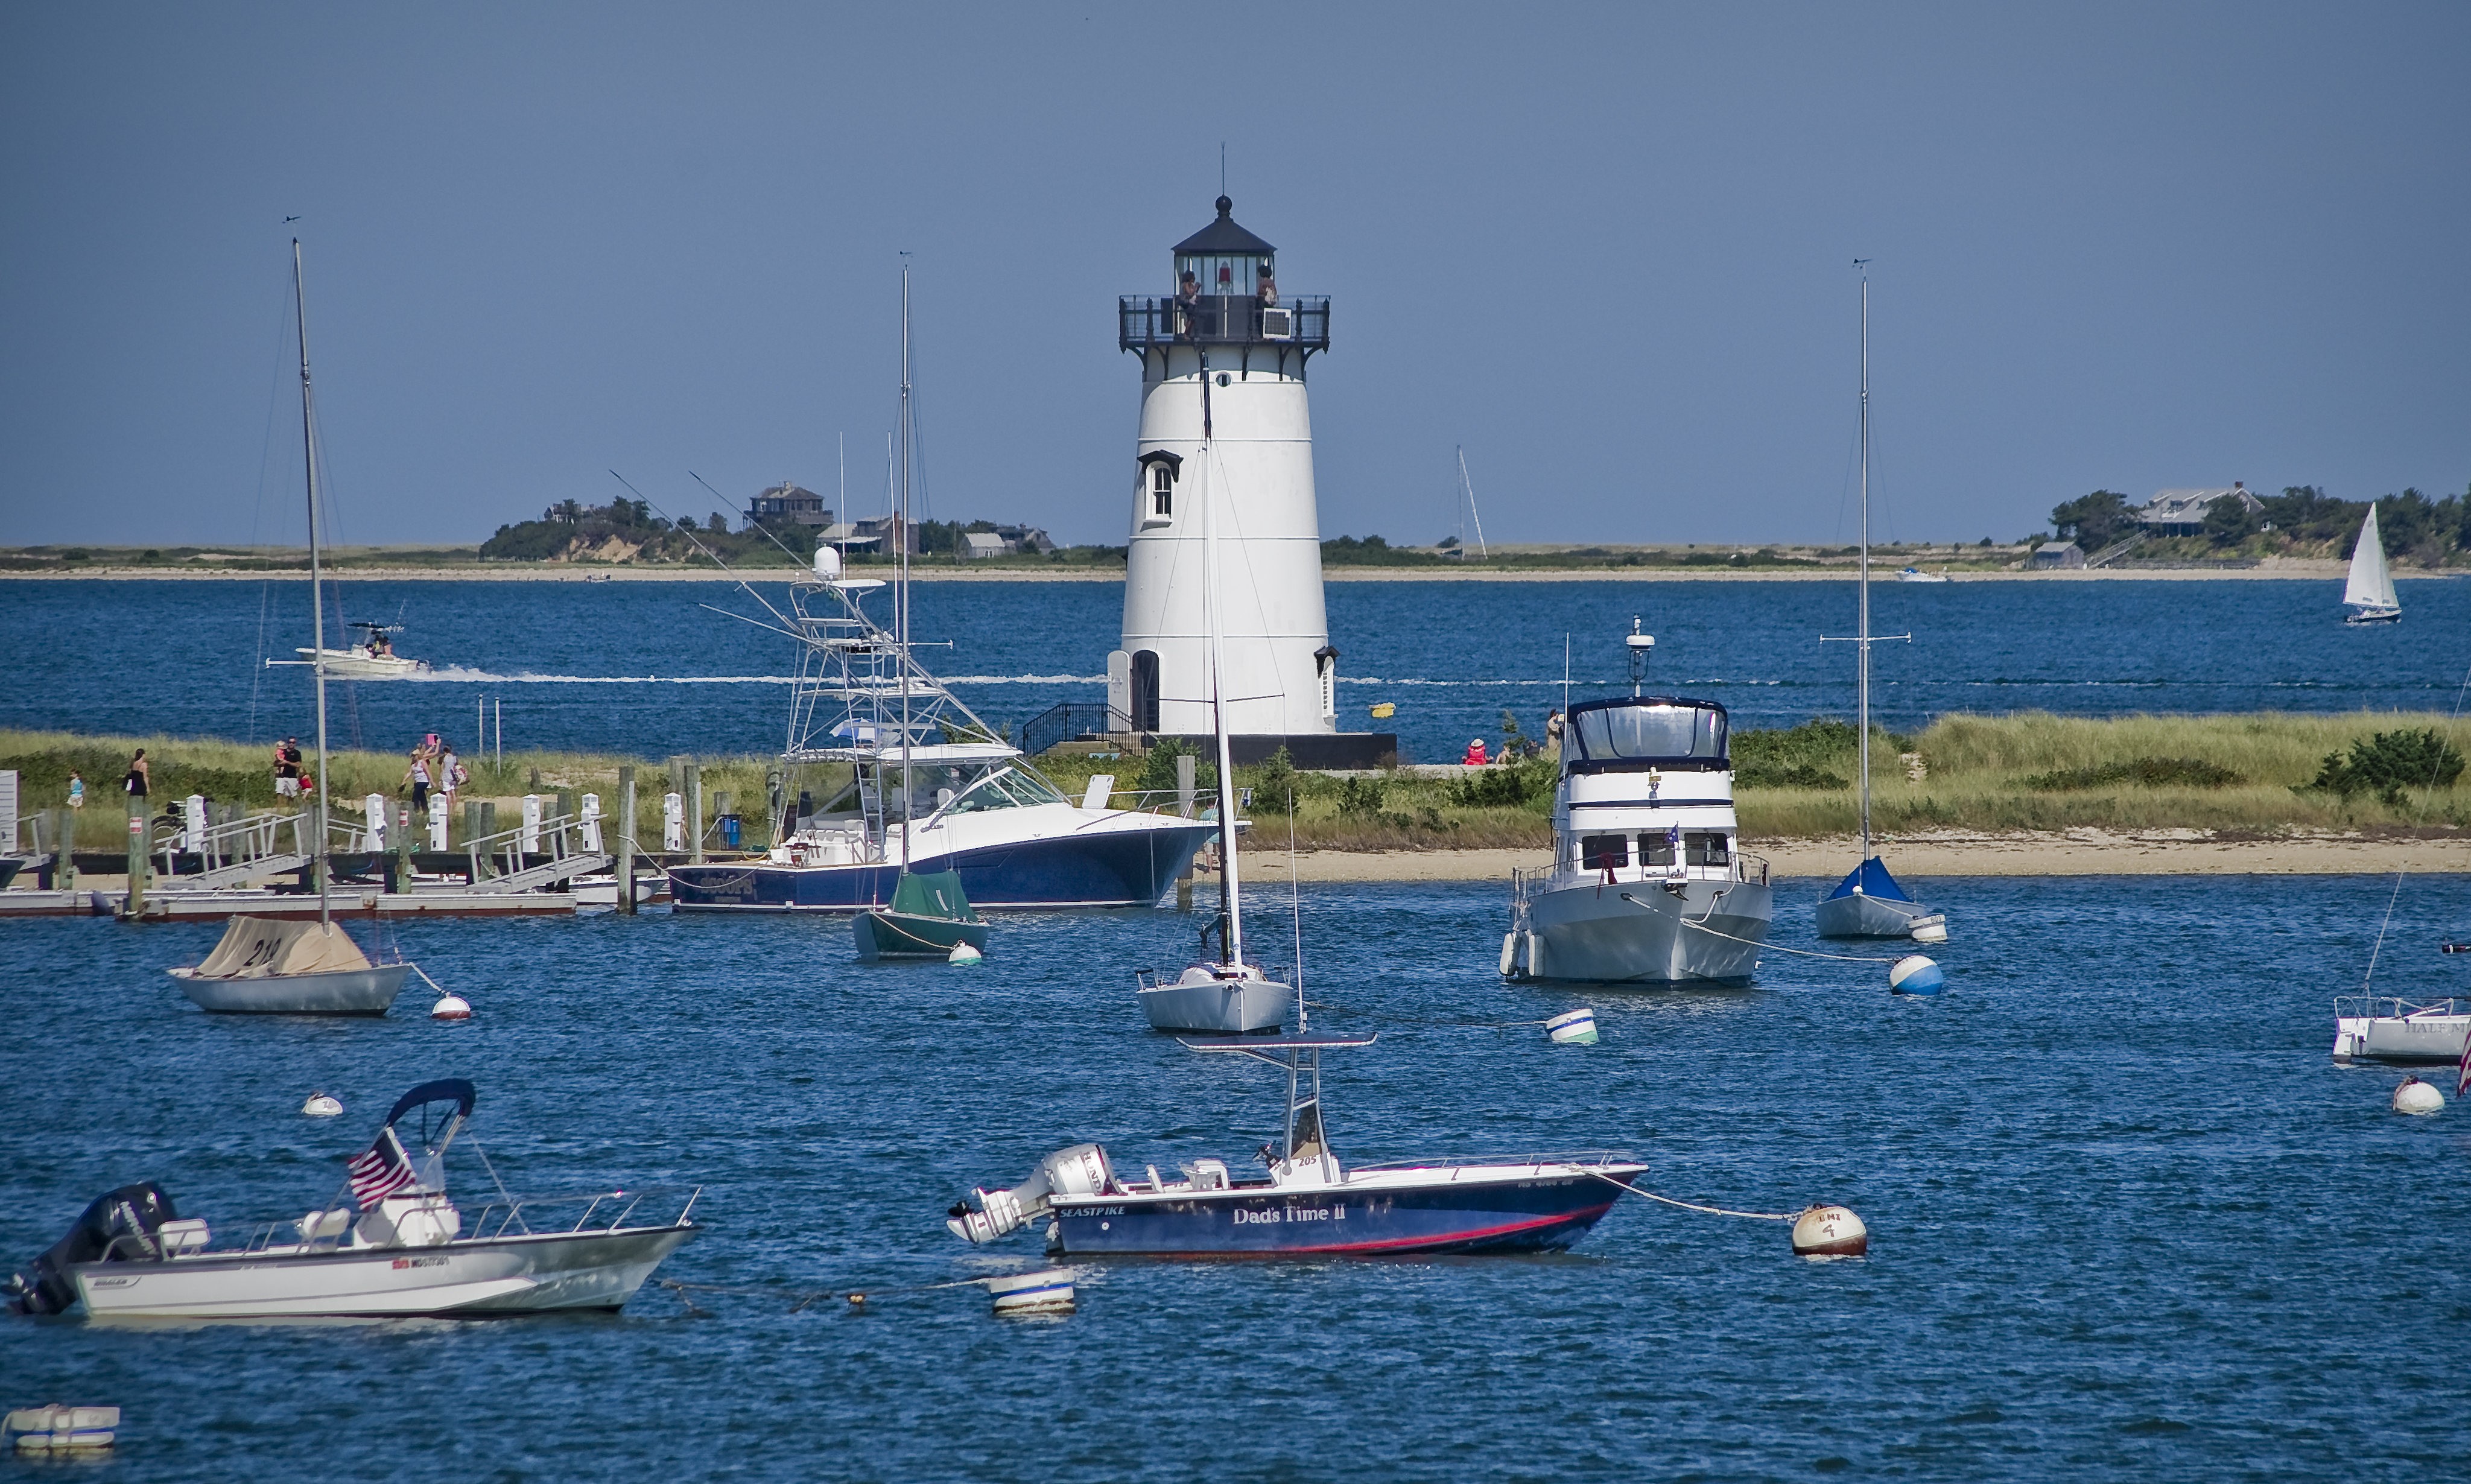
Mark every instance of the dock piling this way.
pixel 138 863
pixel 695 813
pixel 626 838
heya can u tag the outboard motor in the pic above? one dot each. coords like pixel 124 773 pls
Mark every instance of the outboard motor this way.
pixel 134 1212
pixel 1080 1170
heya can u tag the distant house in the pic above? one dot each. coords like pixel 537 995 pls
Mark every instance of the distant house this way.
pixel 2055 555
pixel 2181 512
pixel 886 534
pixel 845 534
pixel 1026 538
pixel 979 545
pixel 786 501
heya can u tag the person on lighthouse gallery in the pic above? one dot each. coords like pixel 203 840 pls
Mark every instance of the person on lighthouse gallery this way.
pixel 1268 288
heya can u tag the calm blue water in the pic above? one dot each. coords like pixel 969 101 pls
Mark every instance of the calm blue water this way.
pixel 2130 1219
pixel 647 668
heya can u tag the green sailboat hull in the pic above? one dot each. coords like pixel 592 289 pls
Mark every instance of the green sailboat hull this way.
pixel 930 916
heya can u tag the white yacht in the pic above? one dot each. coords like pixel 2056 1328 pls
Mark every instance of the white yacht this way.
pixel 1647 883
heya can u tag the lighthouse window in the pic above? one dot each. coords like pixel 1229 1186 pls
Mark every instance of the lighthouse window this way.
pixel 1162 491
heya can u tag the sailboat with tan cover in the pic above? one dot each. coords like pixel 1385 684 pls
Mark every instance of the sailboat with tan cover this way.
pixel 271 967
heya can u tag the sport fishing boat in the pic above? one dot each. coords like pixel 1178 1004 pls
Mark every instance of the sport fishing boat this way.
pixel 391 1244
pixel 1307 1203
pixel 2369 591
pixel 1684 904
pixel 944 786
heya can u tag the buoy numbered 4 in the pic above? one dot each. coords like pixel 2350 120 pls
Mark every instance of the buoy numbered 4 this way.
pixel 1830 1232
pixel 1931 929
pixel 323 1105
pixel 964 953
pixel 1915 975
pixel 1046 1292
pixel 1578 1028
pixel 2416 1097
pixel 451 1007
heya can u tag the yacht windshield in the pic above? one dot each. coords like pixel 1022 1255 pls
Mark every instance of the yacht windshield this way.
pixel 1649 732
pixel 996 788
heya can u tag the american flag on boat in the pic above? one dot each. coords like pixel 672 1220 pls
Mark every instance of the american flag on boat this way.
pixel 380 1170
pixel 2462 1070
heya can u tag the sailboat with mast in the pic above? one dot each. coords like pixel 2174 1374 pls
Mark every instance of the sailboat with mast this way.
pixel 1869 903
pixel 269 967
pixel 930 915
pixel 1226 996
pixel 2369 591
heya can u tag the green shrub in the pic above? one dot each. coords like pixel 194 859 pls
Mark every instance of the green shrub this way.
pixel 1157 779
pixel 2389 763
pixel 1273 782
pixel 1360 797
pixel 1526 784
pixel 1785 775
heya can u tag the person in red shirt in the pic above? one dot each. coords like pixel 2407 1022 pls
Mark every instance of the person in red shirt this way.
pixel 1475 752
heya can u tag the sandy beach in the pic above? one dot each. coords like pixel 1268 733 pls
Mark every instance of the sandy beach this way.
pixel 2073 853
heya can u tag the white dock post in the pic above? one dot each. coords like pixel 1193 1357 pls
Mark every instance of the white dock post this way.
pixel 531 824
pixel 374 807
pixel 673 822
pixel 193 824
pixel 438 822
pixel 591 823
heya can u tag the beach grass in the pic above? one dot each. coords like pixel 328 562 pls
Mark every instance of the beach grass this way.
pixel 2232 776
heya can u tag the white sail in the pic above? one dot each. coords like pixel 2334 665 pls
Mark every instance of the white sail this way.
pixel 2371 585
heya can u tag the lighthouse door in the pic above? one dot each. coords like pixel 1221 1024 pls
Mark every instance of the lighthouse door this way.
pixel 1145 691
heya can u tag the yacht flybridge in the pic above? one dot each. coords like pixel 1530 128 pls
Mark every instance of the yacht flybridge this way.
pixel 972 803
pixel 1647 883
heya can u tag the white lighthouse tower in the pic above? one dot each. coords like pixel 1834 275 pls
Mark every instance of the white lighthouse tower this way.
pixel 1228 322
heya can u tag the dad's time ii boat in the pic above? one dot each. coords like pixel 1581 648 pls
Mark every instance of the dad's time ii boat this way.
pixel 1647 884
pixel 398 1247
pixel 1307 1203
pixel 940 788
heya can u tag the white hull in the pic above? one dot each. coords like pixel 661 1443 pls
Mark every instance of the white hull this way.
pixel 1861 916
pixel 361 665
pixel 1636 931
pixel 513 1274
pixel 2404 1032
pixel 1216 1006
pixel 340 992
pixel 2363 615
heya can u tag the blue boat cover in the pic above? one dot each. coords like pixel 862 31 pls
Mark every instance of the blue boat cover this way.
pixel 1873 880
pixel 454 1090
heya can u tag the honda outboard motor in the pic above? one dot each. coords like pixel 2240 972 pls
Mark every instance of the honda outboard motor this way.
pixel 1080 1170
pixel 134 1212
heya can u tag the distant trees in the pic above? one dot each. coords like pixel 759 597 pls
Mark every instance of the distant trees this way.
pixel 2095 520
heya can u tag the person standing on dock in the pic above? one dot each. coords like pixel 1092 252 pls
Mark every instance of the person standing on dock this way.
pixel 417 775
pixel 450 773
pixel 135 782
pixel 286 768
pixel 76 790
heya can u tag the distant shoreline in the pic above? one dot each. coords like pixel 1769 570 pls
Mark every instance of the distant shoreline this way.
pixel 2280 569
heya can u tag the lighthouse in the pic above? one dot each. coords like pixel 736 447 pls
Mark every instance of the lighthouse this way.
pixel 1224 418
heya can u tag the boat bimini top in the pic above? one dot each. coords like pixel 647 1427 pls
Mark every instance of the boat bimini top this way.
pixel 1636 733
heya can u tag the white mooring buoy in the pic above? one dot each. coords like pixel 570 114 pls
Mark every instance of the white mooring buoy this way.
pixel 2416 1097
pixel 1915 975
pixel 323 1105
pixel 1830 1232
pixel 61 1429
pixel 451 1007
pixel 1046 1292
pixel 1578 1028
pixel 964 956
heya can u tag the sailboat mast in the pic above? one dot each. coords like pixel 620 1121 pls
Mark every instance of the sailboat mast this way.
pixel 901 593
pixel 1861 640
pixel 1234 941
pixel 316 604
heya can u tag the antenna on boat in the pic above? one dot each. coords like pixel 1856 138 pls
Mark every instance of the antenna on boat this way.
pixel 901 592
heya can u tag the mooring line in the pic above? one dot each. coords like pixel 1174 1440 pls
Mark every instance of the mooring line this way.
pixel 1713 1210
pixel 1771 946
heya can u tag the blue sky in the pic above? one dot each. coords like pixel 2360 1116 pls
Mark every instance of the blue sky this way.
pixel 1605 248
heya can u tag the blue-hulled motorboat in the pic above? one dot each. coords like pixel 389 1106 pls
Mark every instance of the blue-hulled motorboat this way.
pixel 1306 1202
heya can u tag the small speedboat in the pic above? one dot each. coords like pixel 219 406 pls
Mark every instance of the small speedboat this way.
pixel 1918 575
pixel 266 966
pixel 390 1245
pixel 372 658
pixel 1307 1203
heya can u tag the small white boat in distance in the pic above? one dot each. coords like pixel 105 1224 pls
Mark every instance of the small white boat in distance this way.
pixel 396 1248
pixel 2392 1028
pixel 2369 591
pixel 1918 575
pixel 268 967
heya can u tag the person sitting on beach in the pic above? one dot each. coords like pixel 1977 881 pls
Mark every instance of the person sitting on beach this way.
pixel 1475 752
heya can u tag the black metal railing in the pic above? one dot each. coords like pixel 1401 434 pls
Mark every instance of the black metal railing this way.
pixel 1146 324
pixel 1063 723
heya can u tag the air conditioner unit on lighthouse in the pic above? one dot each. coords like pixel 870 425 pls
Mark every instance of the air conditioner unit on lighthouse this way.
pixel 1277 324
